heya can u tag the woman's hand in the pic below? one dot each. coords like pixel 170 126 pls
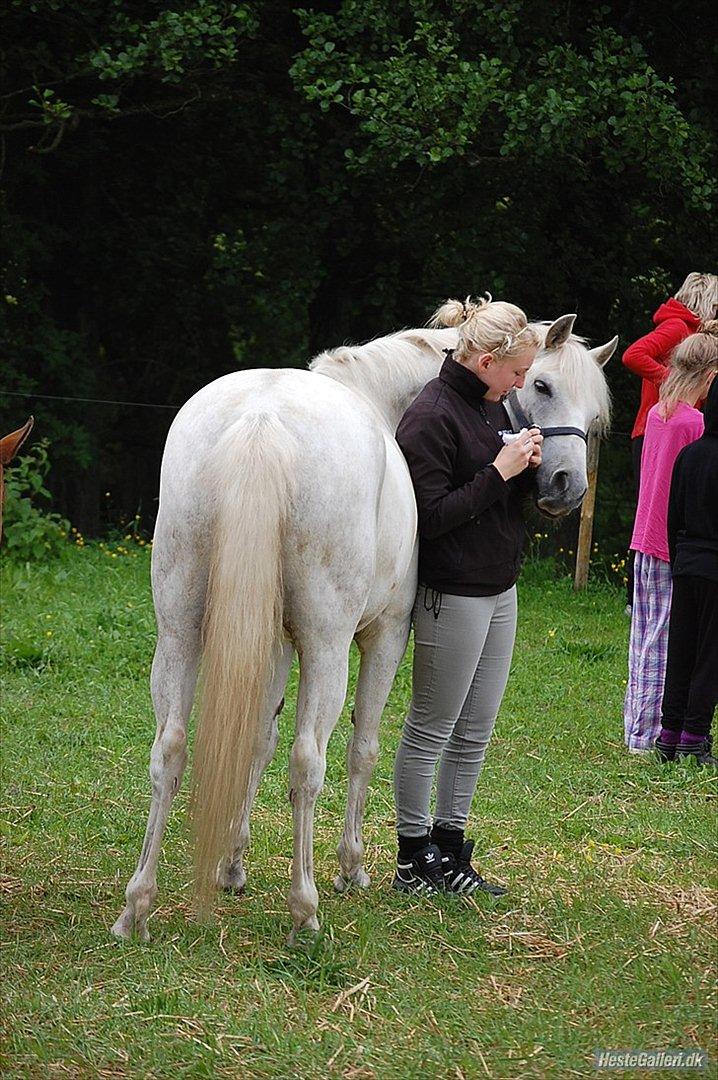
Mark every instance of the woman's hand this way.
pixel 515 456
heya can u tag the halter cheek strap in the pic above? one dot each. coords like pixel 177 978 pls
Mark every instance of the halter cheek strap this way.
pixel 524 421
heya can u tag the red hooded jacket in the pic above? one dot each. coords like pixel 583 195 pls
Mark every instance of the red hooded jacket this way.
pixel 650 356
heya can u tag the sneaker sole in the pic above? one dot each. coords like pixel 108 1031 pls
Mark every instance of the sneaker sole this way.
pixel 412 889
pixel 485 892
pixel 458 883
pixel 697 760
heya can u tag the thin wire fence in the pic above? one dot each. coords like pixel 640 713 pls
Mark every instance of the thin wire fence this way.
pixel 136 486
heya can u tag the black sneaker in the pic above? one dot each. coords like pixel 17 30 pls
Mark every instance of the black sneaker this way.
pixel 700 753
pixel 665 751
pixel 422 873
pixel 460 876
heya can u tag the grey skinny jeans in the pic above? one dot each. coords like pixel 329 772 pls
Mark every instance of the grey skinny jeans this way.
pixel 461 667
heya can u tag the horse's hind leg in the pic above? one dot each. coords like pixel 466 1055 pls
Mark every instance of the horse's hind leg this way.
pixel 322 689
pixel 173 681
pixel 233 875
pixel 382 646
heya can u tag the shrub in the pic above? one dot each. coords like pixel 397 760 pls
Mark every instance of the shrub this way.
pixel 28 531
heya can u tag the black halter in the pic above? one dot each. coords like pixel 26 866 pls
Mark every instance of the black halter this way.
pixel 524 421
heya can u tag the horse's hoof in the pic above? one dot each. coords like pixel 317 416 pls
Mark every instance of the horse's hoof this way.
pixel 307 933
pixel 125 928
pixel 359 879
pixel 232 879
pixel 234 890
pixel 122 929
pixel 303 936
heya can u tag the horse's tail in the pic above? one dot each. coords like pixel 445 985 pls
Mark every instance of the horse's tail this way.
pixel 250 474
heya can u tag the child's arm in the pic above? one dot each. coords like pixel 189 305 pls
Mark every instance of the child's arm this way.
pixel 648 357
pixel 676 509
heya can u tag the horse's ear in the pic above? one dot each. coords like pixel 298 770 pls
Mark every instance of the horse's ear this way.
pixel 559 331
pixel 603 353
pixel 10 445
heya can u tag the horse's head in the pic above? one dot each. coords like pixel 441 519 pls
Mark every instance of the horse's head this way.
pixel 565 387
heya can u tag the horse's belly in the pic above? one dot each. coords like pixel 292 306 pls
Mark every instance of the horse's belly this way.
pixel 394 581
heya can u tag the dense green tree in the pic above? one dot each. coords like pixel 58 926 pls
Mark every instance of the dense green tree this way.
pixel 195 186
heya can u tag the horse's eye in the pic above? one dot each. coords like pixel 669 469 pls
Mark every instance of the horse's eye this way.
pixel 542 387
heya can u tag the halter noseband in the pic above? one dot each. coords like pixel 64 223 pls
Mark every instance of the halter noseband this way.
pixel 524 421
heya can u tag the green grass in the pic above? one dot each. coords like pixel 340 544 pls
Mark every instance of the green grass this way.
pixel 606 939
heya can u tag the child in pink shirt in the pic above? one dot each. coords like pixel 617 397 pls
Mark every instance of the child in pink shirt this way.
pixel 664 440
pixel 671 424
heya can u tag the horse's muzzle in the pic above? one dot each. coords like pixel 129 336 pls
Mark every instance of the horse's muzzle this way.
pixel 561 492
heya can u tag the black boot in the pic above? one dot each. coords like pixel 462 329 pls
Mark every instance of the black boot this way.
pixel 700 753
pixel 460 876
pixel 420 873
pixel 665 751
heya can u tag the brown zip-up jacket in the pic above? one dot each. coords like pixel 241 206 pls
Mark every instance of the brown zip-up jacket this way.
pixel 471 522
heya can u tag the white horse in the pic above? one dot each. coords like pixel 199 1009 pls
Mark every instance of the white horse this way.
pixel 287 521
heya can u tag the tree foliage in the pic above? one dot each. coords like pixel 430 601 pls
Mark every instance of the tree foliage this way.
pixel 199 185
pixel 442 92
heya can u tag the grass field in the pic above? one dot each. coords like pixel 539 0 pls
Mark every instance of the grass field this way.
pixel 607 938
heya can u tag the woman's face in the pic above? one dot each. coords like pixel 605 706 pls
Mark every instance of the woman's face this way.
pixel 501 376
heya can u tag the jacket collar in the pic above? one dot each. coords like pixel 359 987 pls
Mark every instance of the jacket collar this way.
pixel 459 378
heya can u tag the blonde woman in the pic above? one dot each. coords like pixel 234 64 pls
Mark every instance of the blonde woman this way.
pixel 469 490
pixel 671 424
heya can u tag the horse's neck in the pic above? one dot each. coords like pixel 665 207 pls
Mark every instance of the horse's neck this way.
pixel 391 381
pixel 393 407
pixel 388 410
pixel 392 400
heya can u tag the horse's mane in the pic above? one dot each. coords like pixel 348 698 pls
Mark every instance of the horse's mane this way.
pixel 582 374
pixel 384 366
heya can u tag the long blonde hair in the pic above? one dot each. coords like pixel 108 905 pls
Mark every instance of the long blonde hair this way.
pixel 691 363
pixel 487 326
pixel 699 292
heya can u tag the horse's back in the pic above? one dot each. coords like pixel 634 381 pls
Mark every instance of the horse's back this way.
pixel 299 399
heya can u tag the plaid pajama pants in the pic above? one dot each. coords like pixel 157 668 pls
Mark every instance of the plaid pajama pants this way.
pixel 647 651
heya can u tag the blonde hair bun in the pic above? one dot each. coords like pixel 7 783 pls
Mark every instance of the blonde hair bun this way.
pixel 488 326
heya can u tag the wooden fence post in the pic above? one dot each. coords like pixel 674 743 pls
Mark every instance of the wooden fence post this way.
pixel 585 529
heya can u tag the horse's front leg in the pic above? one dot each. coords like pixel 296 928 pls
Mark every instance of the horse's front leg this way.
pixel 322 689
pixel 382 646
pixel 174 677
pixel 233 875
